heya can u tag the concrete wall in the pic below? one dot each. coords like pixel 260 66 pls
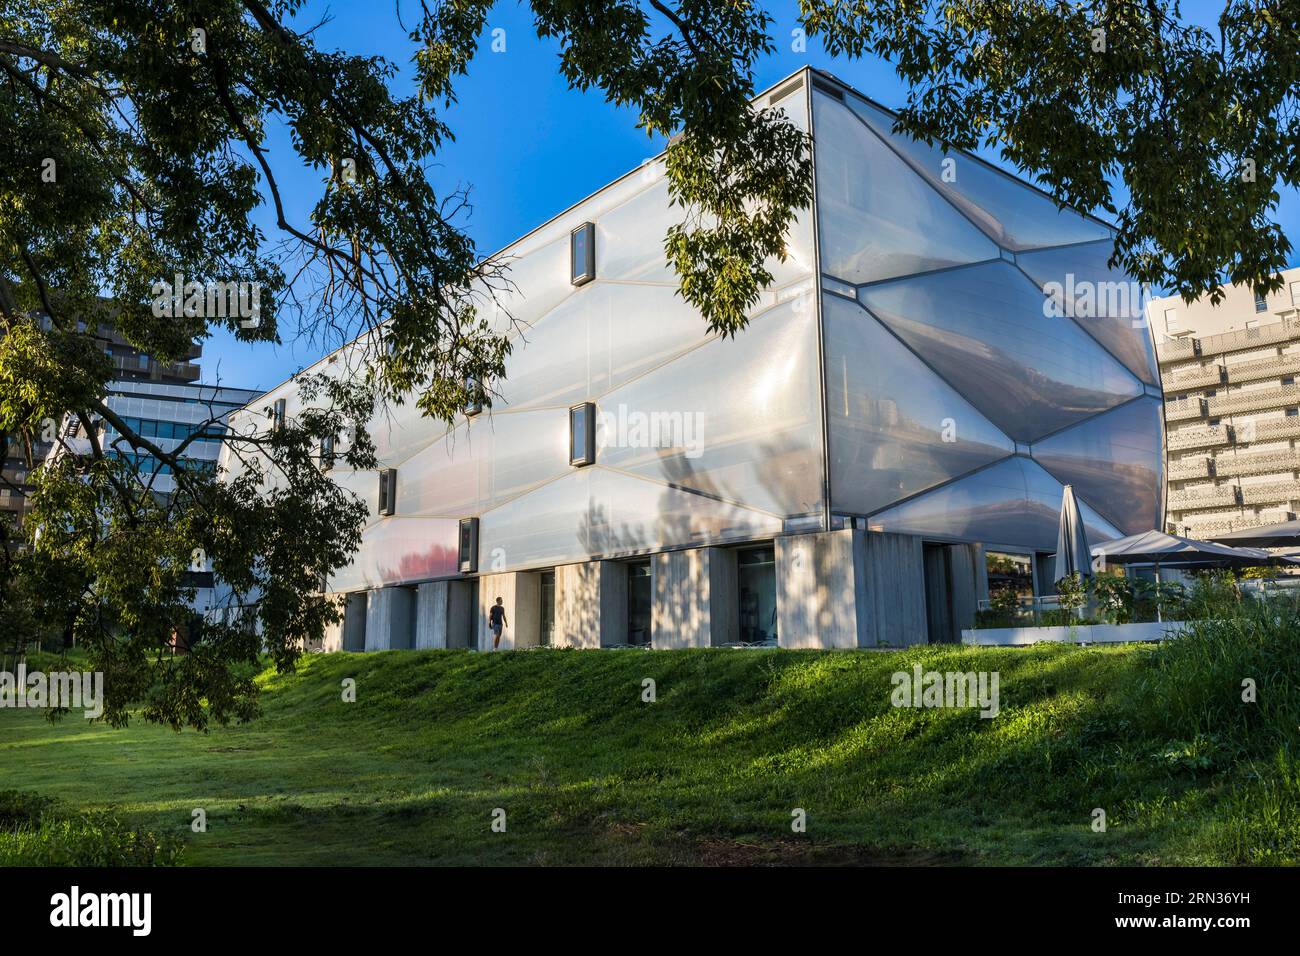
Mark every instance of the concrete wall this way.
pixel 462 614
pixel 590 604
pixel 332 639
pixel 520 593
pixel 815 584
pixel 891 593
pixel 1237 307
pixel 354 621
pixel 390 619
pixel 850 588
pixel 969 584
pixel 695 599
pixel 431 615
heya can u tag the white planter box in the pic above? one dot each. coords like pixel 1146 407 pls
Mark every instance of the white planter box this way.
pixel 1079 634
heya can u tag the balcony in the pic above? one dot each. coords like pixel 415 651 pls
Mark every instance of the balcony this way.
pixel 1267 430
pixel 1177 350
pixel 1199 498
pixel 1264 368
pixel 1257 400
pixel 1199 437
pixel 1184 409
pixel 1219 524
pixel 184 371
pixel 1283 331
pixel 1260 463
pixel 1273 492
pixel 1194 378
pixel 1185 469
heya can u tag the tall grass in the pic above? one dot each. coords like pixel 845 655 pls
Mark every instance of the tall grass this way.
pixel 35 831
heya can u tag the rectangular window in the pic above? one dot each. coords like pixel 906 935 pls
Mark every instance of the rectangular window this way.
pixel 1295 293
pixel 582 254
pixel 387 491
pixel 1261 303
pixel 582 434
pixel 640 599
pixel 468 550
pixel 144 360
pixel 327 452
pixel 546 611
pixel 756 570
pixel 1010 572
pixel 473 406
pixel 277 414
pixel 1171 321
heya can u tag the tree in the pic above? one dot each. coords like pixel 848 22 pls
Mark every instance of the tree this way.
pixel 1200 127
pixel 134 149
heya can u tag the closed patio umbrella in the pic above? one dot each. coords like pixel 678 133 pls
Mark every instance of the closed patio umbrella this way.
pixel 1072 552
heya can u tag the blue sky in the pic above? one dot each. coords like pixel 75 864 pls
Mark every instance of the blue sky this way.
pixel 526 144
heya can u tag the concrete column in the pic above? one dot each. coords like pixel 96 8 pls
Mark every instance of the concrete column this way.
pixel 850 588
pixel 520 593
pixel 431 615
pixel 390 619
pixel 462 613
pixel 696 599
pixel 332 639
pixel 354 621
pixel 590 604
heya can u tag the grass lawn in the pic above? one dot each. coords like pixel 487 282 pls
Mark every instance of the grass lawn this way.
pixel 708 773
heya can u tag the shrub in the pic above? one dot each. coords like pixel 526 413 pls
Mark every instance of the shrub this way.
pixel 35 832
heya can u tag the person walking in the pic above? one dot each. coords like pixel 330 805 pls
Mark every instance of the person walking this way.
pixel 497 621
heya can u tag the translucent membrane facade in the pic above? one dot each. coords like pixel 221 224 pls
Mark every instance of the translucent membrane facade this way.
pixel 979 352
pixel 927 360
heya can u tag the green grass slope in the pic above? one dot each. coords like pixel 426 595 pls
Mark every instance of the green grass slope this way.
pixel 711 771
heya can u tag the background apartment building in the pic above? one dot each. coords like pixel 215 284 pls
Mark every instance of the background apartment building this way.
pixel 162 401
pixel 1232 408
pixel 132 369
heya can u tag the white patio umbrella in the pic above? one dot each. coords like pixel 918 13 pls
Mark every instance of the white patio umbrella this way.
pixel 1072 552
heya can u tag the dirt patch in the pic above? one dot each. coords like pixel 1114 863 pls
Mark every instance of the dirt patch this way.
pixel 690 850
pixel 716 851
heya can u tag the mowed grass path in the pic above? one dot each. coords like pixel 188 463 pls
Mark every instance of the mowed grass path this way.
pixel 710 772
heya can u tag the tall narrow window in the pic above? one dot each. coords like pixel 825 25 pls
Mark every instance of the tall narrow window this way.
pixel 327 452
pixel 277 414
pixel 582 254
pixel 1171 321
pixel 388 491
pixel 472 406
pixel 1295 293
pixel 1261 303
pixel 582 434
pixel 468 549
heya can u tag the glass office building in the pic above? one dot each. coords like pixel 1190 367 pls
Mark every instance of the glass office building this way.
pixel 902 411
